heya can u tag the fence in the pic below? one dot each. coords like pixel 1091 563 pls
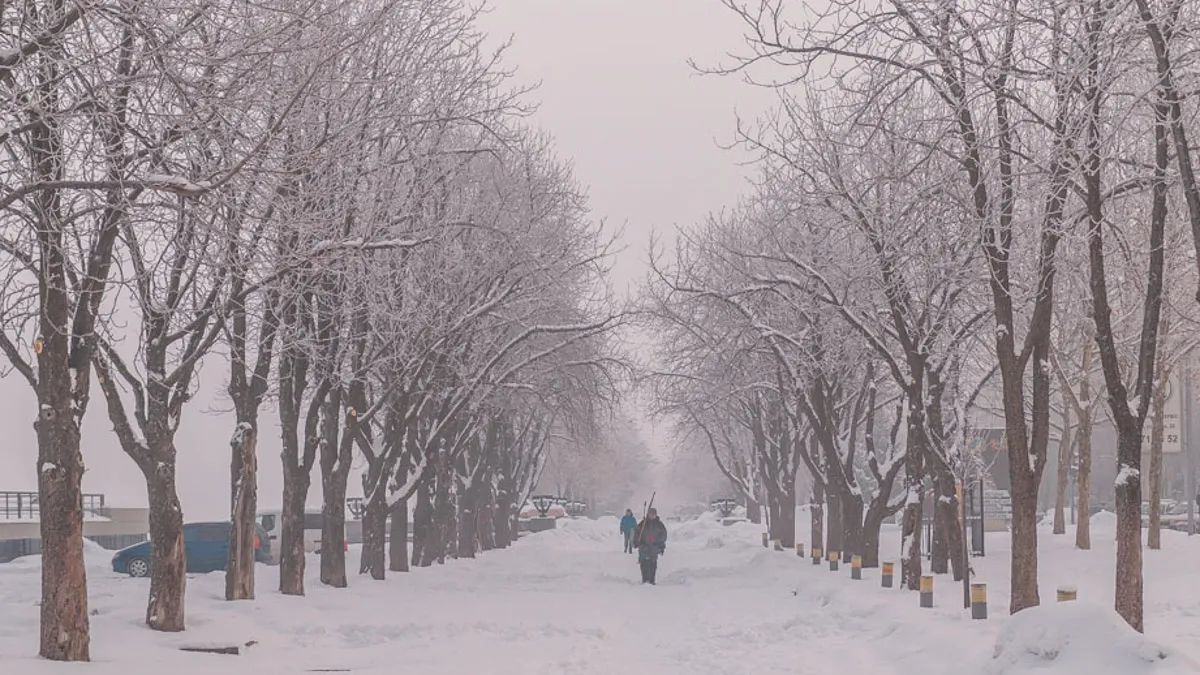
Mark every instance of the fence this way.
pixel 25 505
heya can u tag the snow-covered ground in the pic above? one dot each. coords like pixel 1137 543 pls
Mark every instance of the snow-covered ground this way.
pixel 567 601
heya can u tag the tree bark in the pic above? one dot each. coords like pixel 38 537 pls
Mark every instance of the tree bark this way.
pixel 1157 424
pixel 816 510
pixel 833 523
pixel 1083 480
pixel 333 527
pixel 487 518
pixel 239 569
pixel 422 525
pixel 64 630
pixel 1063 475
pixel 914 491
pixel 374 526
pixel 465 524
pixel 503 514
pixel 336 457
pixel 753 510
pixel 1129 528
pixel 168 563
pixel 398 539
pixel 291 535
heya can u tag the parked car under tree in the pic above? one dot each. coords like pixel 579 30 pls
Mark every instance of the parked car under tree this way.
pixel 206 547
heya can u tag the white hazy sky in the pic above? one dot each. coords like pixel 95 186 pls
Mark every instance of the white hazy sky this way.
pixel 642 130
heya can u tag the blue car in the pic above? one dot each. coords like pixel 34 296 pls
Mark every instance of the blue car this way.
pixel 206 546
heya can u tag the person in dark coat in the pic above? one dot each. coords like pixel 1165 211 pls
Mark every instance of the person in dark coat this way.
pixel 628 525
pixel 651 541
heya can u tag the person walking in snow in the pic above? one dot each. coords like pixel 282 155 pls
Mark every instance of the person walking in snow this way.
pixel 650 537
pixel 628 524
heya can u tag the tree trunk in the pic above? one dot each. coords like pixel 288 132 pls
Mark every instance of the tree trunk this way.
pixel 333 526
pixel 1064 471
pixel 422 525
pixel 1129 527
pixel 783 522
pixel 503 516
pixel 1024 590
pixel 239 569
pixel 374 526
pixel 465 523
pixel 872 523
pixel 939 547
pixel 1157 424
pixel 291 535
pixel 1083 480
pixel 398 538
pixel 947 527
pixel 852 526
pixel 833 523
pixel 816 509
pixel 753 510
pixel 64 631
pixel 910 535
pixel 487 519
pixel 168 563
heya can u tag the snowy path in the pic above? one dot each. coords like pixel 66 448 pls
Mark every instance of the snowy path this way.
pixel 561 602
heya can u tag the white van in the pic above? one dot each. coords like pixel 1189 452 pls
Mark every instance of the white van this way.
pixel 272 522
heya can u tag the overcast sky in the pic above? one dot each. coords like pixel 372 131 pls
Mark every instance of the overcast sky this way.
pixel 642 130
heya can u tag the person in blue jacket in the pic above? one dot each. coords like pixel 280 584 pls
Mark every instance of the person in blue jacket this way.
pixel 628 523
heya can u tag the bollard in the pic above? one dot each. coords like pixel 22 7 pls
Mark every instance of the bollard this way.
pixel 834 558
pixel 800 550
pixel 778 545
pixel 888 569
pixel 1067 594
pixel 978 601
pixel 926 591
pixel 765 539
pixel 816 555
pixel 856 567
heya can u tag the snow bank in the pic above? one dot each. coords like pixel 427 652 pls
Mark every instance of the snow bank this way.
pixel 1079 637
pixel 1104 522
pixel 95 557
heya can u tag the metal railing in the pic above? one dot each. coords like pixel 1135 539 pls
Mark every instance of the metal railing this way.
pixel 26 505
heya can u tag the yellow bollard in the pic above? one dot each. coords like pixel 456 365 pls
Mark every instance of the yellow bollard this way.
pixel 1067 594
pixel 926 591
pixel 834 558
pixel 978 601
pixel 888 569
pixel 816 555
pixel 856 567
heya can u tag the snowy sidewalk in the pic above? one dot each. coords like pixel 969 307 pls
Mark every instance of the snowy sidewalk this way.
pixel 568 601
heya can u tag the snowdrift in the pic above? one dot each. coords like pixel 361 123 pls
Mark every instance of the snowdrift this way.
pixel 1080 637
